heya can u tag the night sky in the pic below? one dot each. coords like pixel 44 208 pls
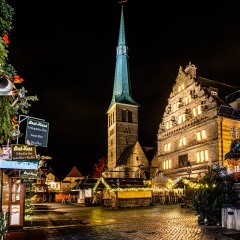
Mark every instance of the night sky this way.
pixel 66 50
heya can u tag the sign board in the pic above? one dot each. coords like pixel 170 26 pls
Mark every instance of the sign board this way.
pixel 28 174
pixel 15 214
pixel 37 132
pixel 5 154
pixel 19 164
pixel 28 181
pixel 23 152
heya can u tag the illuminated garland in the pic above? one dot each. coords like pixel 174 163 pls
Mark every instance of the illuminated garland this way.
pixel 191 184
pixel 118 189
pixel 171 184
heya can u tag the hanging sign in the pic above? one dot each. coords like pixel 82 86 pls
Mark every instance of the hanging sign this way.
pixel 28 174
pixel 5 153
pixel 28 181
pixel 23 152
pixel 37 132
pixel 19 164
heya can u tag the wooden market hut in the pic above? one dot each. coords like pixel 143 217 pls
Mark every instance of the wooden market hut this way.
pixel 124 192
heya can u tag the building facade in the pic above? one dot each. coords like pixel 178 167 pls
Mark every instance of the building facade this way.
pixel 194 133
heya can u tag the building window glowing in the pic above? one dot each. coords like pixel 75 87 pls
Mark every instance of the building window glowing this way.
pixel 167 147
pixel 167 164
pixel 194 112
pixel 174 107
pixel 183 117
pixel 197 111
pixel 201 135
pixel 237 133
pixel 182 141
pixel 180 87
pixel 187 99
pixel 202 156
pixel 179 119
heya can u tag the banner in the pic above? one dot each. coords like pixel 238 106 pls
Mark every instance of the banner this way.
pixel 37 132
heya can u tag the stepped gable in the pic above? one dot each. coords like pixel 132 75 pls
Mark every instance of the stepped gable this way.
pixel 74 173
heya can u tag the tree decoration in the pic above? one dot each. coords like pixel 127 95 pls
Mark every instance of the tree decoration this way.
pixel 16 101
pixel 12 100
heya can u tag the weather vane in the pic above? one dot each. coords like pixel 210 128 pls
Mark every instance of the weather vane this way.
pixel 123 1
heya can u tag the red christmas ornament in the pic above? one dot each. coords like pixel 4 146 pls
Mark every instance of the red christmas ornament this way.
pixel 5 38
pixel 17 79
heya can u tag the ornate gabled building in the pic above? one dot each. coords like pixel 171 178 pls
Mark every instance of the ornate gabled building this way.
pixel 195 131
pixel 126 158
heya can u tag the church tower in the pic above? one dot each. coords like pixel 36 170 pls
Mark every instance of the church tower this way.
pixel 123 110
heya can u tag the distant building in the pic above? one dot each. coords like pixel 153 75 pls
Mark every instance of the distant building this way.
pixel 71 180
pixel 199 123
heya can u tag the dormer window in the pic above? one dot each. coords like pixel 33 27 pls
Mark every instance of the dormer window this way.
pixel 214 93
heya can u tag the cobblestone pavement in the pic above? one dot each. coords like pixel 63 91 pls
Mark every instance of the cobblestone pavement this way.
pixel 55 221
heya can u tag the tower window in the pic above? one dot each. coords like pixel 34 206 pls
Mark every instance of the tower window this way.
pixel 130 116
pixel 124 115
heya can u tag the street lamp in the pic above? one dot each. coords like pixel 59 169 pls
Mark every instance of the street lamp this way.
pixel 189 168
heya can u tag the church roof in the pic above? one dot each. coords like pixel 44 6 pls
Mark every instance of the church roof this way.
pixel 123 160
pixel 122 87
pixel 149 152
pixel 74 173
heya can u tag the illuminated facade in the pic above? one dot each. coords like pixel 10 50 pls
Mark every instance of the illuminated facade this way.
pixel 194 131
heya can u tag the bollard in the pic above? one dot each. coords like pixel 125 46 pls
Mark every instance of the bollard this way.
pixel 237 218
pixel 224 217
pixel 230 218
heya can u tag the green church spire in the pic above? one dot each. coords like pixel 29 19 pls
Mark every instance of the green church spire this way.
pixel 122 88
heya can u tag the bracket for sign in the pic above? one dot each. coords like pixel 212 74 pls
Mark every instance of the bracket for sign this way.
pixel 24 118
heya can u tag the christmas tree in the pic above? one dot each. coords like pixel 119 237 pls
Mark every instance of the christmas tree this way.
pixel 215 191
pixel 13 100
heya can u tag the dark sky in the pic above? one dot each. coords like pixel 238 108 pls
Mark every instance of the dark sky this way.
pixel 66 52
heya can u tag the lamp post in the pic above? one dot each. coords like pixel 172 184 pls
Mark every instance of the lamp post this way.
pixel 189 168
